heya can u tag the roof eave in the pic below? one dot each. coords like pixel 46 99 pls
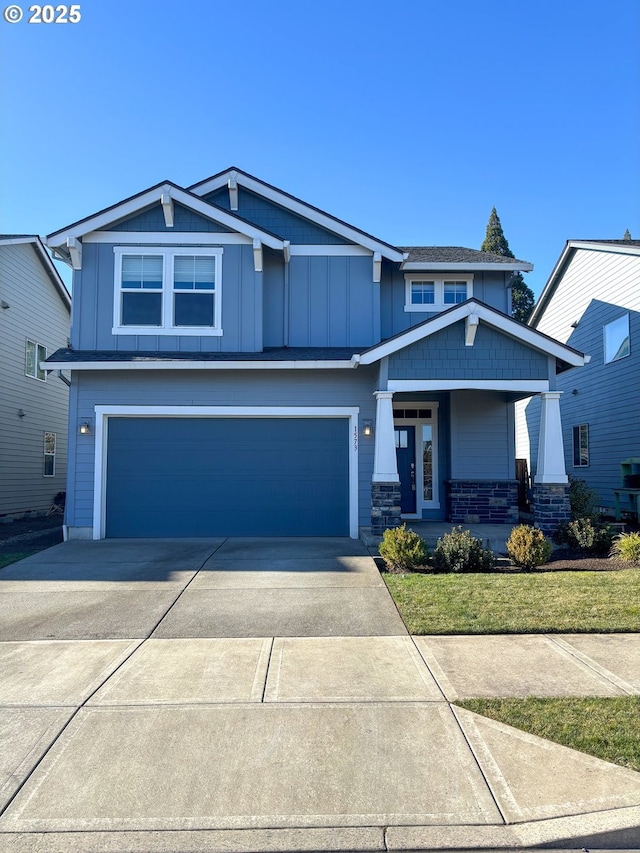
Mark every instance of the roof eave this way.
pixel 418 266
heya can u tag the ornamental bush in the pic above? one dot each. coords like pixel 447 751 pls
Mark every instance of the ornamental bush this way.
pixel 626 547
pixel 528 547
pixel 402 549
pixel 459 551
pixel 587 535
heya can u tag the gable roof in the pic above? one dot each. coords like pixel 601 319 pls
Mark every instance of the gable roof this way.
pixel 617 247
pixel 45 260
pixel 476 311
pixel 58 240
pixel 290 202
pixel 458 258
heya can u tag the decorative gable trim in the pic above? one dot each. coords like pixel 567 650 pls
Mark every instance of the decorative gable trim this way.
pixel 480 312
pixel 165 194
pixel 295 205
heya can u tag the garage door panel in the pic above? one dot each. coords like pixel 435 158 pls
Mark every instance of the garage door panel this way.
pixel 227 476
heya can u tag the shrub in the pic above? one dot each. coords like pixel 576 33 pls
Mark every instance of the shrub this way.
pixel 626 546
pixel 583 499
pixel 459 551
pixel 587 535
pixel 528 547
pixel 402 549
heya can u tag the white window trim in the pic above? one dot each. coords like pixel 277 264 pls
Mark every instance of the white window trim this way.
pixel 103 413
pixel 45 454
pixel 168 254
pixel 439 281
pixel 627 337
pixel 421 504
pixel 36 361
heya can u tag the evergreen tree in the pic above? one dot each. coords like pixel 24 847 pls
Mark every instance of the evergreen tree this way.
pixel 626 235
pixel 522 298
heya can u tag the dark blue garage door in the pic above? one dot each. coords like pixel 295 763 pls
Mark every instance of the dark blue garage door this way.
pixel 227 477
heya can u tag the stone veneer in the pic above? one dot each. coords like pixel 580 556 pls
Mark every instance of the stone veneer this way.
pixel 385 507
pixel 550 506
pixel 482 501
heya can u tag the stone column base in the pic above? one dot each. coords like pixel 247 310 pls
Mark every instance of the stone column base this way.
pixel 385 507
pixel 550 506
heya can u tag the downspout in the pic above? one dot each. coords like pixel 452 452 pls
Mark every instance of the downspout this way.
pixel 285 325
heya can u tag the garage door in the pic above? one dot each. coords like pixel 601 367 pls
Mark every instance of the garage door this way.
pixel 227 477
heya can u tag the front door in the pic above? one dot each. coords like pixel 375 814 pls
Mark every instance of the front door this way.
pixel 406 455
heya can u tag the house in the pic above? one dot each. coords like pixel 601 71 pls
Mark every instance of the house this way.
pixel 34 322
pixel 592 302
pixel 244 363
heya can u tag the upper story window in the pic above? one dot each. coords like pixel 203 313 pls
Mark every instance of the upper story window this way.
pixel 616 339
pixel 437 293
pixel 34 354
pixel 167 291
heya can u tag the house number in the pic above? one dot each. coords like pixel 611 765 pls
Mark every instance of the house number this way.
pixel 355 438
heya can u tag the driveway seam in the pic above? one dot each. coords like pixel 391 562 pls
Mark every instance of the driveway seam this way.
pixel 592 665
pixel 138 645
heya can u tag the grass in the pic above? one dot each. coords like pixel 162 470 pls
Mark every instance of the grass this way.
pixel 549 602
pixel 14 551
pixel 607 728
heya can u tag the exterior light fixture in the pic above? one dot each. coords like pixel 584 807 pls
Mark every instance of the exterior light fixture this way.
pixel 367 428
pixel 85 428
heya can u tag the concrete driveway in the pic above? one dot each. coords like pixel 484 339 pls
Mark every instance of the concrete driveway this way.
pixel 246 694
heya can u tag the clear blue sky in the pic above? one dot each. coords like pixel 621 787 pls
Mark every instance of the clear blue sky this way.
pixel 408 119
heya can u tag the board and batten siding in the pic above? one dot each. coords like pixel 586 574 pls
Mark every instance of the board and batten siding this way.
pixel 36 312
pixel 93 310
pixel 596 288
pixel 232 388
pixel 488 287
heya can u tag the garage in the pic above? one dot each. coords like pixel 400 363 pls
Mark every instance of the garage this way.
pixel 227 476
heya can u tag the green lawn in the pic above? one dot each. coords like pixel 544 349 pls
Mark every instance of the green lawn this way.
pixel 607 728
pixel 548 602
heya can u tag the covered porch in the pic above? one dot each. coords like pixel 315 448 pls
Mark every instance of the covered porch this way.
pixel 445 421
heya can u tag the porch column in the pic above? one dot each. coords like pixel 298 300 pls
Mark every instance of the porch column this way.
pixel 550 468
pixel 385 485
pixel 385 464
pixel 550 485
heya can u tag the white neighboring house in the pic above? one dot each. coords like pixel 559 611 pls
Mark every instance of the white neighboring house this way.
pixel 35 311
pixel 592 302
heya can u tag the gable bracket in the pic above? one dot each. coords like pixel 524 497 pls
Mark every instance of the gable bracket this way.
pixel 377 267
pixel 470 328
pixel 257 255
pixel 75 252
pixel 232 184
pixel 287 251
pixel 167 208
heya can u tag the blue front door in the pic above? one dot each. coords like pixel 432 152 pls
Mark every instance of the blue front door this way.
pixel 406 455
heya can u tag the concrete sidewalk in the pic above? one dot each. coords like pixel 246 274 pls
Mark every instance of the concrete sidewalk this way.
pixel 228 695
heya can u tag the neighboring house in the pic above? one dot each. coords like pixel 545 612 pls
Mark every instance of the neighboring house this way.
pixel 592 301
pixel 246 364
pixel 34 322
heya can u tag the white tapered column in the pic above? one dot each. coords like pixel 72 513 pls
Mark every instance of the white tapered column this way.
pixel 551 467
pixel 385 465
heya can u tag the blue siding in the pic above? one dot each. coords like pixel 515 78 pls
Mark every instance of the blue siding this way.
pixel 482 436
pixel 273 299
pixel 333 302
pixel 606 399
pixel 227 477
pixel 183 220
pixel 444 355
pixel 488 287
pixel 265 214
pixel 217 388
pixel 92 307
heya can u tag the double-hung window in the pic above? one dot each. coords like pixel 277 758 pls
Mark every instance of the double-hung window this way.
pixel 616 339
pixel 167 291
pixel 437 293
pixel 581 446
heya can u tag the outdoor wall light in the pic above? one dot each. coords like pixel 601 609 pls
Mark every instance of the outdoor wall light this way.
pixel 367 428
pixel 85 428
